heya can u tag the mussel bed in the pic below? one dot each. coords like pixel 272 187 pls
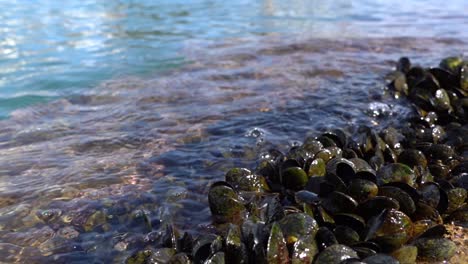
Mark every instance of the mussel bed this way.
pixel 372 197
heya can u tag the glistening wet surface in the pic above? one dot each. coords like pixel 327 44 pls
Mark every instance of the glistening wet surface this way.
pixel 78 174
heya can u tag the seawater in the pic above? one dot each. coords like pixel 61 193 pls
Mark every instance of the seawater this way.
pixel 52 49
pixel 143 104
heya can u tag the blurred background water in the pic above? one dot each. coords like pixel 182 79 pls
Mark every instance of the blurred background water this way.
pixel 50 49
pixel 112 110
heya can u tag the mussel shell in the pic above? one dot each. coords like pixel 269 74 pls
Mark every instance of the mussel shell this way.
pixel 346 235
pixel 320 186
pixel 456 198
pixel 274 209
pixel 299 154
pixel 217 258
pixel 424 211
pixel 411 191
pixel 296 225
pixel 352 261
pixel 225 204
pixel 412 158
pixel 445 78
pixel 405 201
pixel 439 170
pixel 353 221
pixel 326 141
pixel 267 169
pixel 441 100
pixel 306 197
pixel 140 256
pixel 396 172
pixel 315 167
pixel 161 255
pixel 441 152
pixel 364 252
pixel 255 238
pixel 368 244
pixel 294 178
pixel 180 258
pixel 338 136
pixel 338 202
pixel 304 250
pixel 399 83
pixel 242 179
pixel 451 64
pixel 406 254
pixel 435 249
pixel 322 217
pixel 312 145
pixel 335 254
pixel 202 247
pixel 435 231
pixel 381 259
pixel 430 193
pixel 415 75
pixel 376 205
pixel 460 215
pixel 362 190
pixel 325 238
pixel 403 64
pixel 342 168
pixel 236 251
pixel 421 226
pixel 460 169
pixel 464 78
pixel 324 154
pixel 336 182
pixel 391 229
pixel 277 251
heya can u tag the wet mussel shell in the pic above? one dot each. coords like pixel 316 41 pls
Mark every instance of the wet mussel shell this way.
pixel 346 235
pixel 362 190
pixel 435 249
pixel 294 178
pixel 335 254
pixel 325 238
pixel 405 201
pixel 242 179
pixel 236 251
pixel 304 250
pixel 338 202
pixel 342 168
pixel 380 259
pixel 390 229
pixel 412 158
pixel 296 225
pixel 225 203
pixel 376 205
pixel 406 254
pixel 356 222
pixel 277 250
pixel 396 172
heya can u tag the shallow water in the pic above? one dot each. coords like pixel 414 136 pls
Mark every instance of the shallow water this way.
pixel 150 103
pixel 156 144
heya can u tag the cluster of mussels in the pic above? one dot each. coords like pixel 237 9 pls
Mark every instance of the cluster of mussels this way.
pixel 377 197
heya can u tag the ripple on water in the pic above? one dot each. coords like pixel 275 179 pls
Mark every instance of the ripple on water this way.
pixel 136 151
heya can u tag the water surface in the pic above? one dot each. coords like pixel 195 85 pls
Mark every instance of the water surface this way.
pixel 50 49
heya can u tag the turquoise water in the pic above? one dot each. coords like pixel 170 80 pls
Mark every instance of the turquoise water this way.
pixel 50 49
